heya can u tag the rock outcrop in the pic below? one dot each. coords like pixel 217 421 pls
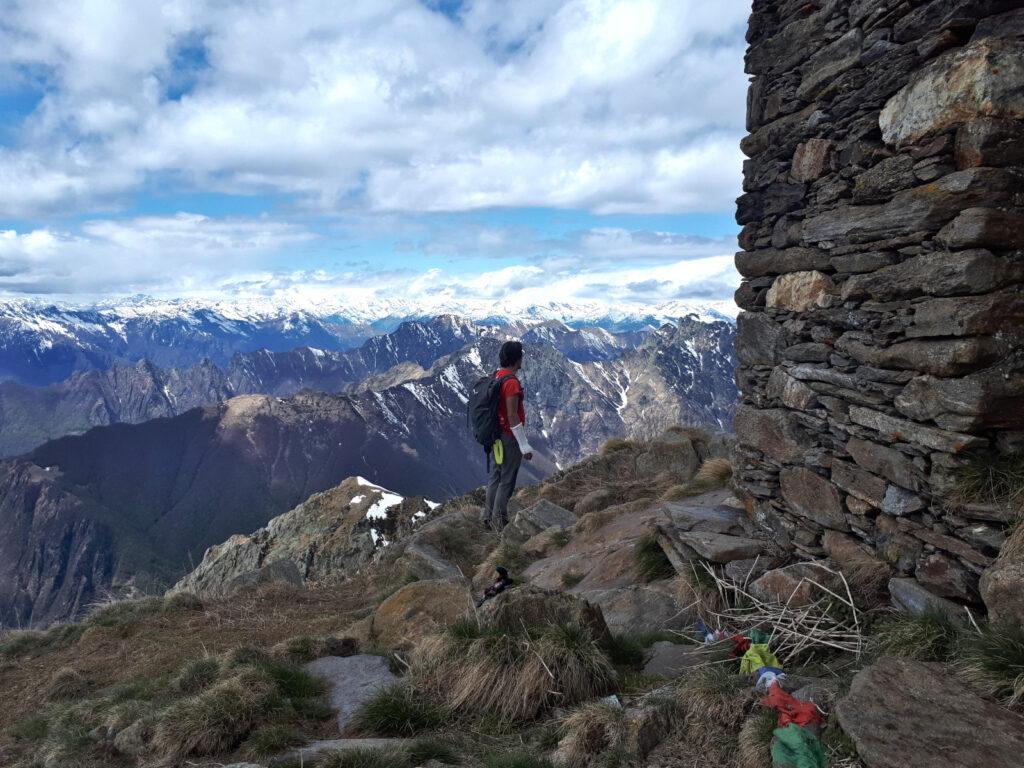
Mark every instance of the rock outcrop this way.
pixel 325 538
pixel 881 346
pixel 906 714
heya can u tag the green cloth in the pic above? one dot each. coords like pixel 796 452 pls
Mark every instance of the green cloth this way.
pixel 759 655
pixel 796 747
pixel 757 636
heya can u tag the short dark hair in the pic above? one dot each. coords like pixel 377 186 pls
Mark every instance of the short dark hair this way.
pixel 510 354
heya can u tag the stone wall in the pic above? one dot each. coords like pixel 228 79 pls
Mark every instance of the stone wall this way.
pixel 880 345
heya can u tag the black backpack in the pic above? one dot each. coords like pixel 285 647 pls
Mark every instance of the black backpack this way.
pixel 484 401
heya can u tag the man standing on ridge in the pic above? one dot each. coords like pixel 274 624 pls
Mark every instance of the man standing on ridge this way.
pixel 512 447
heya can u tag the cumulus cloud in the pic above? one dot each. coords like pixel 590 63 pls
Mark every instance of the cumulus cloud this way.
pixel 380 105
pixel 177 254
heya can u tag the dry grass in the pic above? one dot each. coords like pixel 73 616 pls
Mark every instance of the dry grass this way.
pixel 924 637
pixel 512 675
pixel 713 704
pixel 992 480
pixel 699 594
pixel 714 471
pixel 592 731
pixel 216 720
pixel 652 562
pixel 754 744
pixel 155 646
pixel 615 444
pixel 993 662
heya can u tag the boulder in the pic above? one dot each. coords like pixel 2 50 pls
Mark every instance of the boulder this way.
pixel 800 291
pixel 1002 583
pixel 812 496
pixel 668 659
pixel 981 79
pixel 792 585
pixel 682 547
pixel 537 518
pixel 747 570
pixel 638 609
pixel 899 501
pixel 351 681
pixel 424 562
pixel 604 556
pixel 594 501
pixel 910 596
pixel 418 609
pixel 906 714
pixel 534 607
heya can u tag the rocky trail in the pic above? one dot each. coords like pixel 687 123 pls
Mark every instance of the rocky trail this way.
pixel 651 623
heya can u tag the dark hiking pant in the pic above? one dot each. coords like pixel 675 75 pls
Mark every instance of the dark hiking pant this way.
pixel 502 484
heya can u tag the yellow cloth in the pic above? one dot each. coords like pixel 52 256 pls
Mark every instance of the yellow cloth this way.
pixel 757 656
pixel 499 452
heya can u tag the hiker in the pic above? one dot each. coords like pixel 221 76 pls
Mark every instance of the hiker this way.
pixel 497 416
pixel 503 582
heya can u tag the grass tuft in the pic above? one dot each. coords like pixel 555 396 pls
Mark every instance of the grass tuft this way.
pixel 423 750
pixel 593 731
pixel 571 579
pixel 924 637
pixel 66 684
pixel 17 643
pixel 651 560
pixel 196 675
pixel 994 662
pixel 754 744
pixel 397 710
pixel 216 720
pixel 366 758
pixel 515 760
pixel 272 738
pixel 616 444
pixel 990 479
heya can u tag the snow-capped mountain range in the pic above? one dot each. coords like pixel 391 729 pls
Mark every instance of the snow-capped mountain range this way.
pixel 44 343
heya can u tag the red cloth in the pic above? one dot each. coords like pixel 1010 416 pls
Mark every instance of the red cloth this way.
pixel 511 388
pixel 741 645
pixel 791 709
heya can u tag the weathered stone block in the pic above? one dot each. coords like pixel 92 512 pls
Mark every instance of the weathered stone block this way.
pixel 858 483
pixel 947 578
pixel 810 495
pixel 887 462
pixel 924 208
pixel 984 228
pixel 800 291
pixel 830 62
pixel 780 197
pixel 885 179
pixel 770 261
pixel 939 357
pixel 990 142
pixel 774 431
pixel 759 339
pixel 790 392
pixel 988 399
pixel 936 274
pixel 899 501
pixel 810 158
pixel 901 430
pixel 856 263
pixel 968 315
pixel 981 79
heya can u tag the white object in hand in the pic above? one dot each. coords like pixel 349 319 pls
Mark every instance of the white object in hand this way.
pixel 519 432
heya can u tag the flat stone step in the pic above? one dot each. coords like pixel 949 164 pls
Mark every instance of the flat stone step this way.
pixel 352 680
pixel 682 547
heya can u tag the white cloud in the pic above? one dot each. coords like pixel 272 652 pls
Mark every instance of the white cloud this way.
pixel 608 105
pixel 175 254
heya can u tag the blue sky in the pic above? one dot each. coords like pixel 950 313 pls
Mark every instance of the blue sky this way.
pixel 584 149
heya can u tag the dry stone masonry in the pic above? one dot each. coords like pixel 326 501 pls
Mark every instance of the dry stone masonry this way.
pixel 880 344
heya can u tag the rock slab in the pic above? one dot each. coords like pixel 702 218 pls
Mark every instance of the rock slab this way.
pixel 352 681
pixel 907 714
